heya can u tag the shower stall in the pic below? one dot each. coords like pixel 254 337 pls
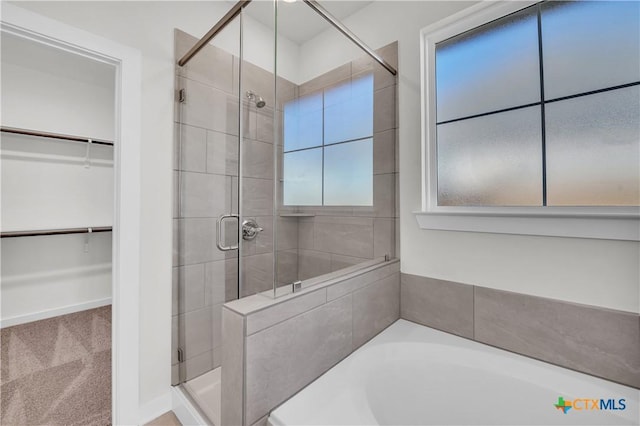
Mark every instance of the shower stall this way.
pixel 285 169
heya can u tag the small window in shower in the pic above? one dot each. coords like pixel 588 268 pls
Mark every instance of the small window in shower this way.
pixel 328 146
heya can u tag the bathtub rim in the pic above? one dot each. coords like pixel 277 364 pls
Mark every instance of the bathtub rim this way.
pixel 467 344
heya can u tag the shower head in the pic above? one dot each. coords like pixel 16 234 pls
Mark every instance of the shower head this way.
pixel 257 99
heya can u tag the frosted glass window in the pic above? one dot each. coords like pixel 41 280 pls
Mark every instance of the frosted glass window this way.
pixel 303 122
pixel 589 45
pixel 348 110
pixel 339 121
pixel 494 160
pixel 490 68
pixel 303 177
pixel 348 174
pixel 593 149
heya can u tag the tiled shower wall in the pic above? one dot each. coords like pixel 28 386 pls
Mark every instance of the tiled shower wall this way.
pixel 206 171
pixel 203 277
pixel 275 347
pixel 332 238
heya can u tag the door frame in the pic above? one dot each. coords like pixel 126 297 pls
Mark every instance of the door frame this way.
pixel 126 217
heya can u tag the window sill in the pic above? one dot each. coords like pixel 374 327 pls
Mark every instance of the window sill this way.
pixel 572 225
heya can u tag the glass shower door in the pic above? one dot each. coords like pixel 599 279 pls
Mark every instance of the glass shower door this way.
pixel 205 261
pixel 258 150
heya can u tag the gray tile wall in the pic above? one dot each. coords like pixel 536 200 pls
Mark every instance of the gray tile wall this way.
pixel 597 341
pixel 205 165
pixel 590 339
pixel 262 127
pixel 335 237
pixel 282 359
pixel 257 180
pixel 289 342
pixel 445 305
pixel 232 375
pixel 206 169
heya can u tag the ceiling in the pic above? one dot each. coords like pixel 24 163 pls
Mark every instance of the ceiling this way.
pixel 297 21
pixel 41 57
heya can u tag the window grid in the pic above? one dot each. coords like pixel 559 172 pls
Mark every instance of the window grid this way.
pixel 322 181
pixel 542 110
pixel 542 101
pixel 562 98
pixel 329 144
pixel 322 147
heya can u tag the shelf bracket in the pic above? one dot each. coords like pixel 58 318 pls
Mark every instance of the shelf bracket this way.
pixel 87 161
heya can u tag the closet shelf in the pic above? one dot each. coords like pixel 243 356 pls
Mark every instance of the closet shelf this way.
pixel 13 234
pixel 41 134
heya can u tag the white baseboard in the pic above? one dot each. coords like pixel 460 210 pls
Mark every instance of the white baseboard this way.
pixel 50 313
pixel 184 410
pixel 155 408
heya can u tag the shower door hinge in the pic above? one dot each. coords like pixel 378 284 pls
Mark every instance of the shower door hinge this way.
pixel 182 95
pixel 180 355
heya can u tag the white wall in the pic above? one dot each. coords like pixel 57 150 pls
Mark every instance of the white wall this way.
pixel 596 272
pixel 53 275
pixel 52 90
pixel 45 184
pixel 148 27
pixel 314 57
pixel 258 47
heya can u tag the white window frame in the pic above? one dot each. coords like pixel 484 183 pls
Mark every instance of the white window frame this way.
pixel 614 223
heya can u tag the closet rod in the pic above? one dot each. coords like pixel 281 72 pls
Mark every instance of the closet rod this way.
pixel 54 135
pixel 12 234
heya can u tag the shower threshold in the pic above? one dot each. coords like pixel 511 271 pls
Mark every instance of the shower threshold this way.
pixel 205 391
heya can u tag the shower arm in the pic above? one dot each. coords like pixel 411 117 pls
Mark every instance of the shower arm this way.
pixel 313 4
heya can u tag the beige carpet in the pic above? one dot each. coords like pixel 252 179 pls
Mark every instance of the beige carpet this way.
pixel 57 371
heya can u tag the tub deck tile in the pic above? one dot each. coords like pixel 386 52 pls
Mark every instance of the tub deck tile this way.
pixel 444 305
pixel 598 341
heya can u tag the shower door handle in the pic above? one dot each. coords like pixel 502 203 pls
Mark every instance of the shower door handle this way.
pixel 219 223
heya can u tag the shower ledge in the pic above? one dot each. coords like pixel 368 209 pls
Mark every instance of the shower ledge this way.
pixel 296 214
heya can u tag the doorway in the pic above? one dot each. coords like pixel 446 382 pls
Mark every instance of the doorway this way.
pixel 121 245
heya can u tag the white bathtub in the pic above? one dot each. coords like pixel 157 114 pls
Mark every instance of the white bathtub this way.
pixel 414 375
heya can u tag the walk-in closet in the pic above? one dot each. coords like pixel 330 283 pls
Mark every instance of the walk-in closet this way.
pixel 57 203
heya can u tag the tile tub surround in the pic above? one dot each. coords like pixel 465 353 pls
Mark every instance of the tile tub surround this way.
pixel 593 340
pixel 275 347
pixel 444 305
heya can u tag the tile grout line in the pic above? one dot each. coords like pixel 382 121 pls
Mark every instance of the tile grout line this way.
pixel 473 313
